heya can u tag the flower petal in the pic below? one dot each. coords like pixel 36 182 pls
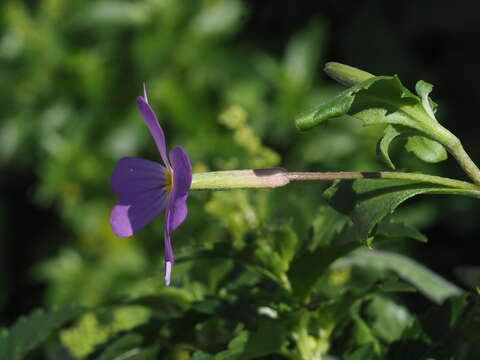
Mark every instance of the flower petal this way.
pixel 182 179
pixel 134 175
pixel 155 129
pixel 139 184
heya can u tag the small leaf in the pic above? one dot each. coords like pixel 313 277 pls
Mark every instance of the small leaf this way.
pixel 423 89
pixel 426 149
pixel 29 332
pixel 383 145
pixel 332 109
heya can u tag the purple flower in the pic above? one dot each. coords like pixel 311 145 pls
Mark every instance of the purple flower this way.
pixel 146 188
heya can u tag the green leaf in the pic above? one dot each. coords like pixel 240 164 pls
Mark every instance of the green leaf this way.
pixel 368 201
pixel 275 251
pixel 423 89
pixel 308 267
pixel 29 332
pixel 127 346
pixel 427 282
pixel 425 149
pixel 364 334
pixel 384 100
pixel 445 332
pixel 301 56
pixel 383 145
pixel 391 229
pixel 268 339
pixel 326 225
pixel 337 107
pixel 389 319
pixel 363 352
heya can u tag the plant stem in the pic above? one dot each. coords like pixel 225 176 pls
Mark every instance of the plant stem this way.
pixel 271 178
pixel 350 175
pixel 464 160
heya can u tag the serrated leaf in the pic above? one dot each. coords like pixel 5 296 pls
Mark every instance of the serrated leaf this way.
pixel 383 145
pixel 426 149
pixel 29 332
pixel 368 201
pixel 427 282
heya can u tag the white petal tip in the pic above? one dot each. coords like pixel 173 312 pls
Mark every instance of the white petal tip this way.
pixel 145 92
pixel 168 271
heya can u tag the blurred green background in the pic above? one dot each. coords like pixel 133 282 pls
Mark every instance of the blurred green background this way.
pixel 226 78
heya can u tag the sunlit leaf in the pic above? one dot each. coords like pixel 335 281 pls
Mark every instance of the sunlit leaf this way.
pixel 426 149
pixel 384 100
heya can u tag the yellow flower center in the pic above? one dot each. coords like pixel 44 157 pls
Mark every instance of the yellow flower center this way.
pixel 168 180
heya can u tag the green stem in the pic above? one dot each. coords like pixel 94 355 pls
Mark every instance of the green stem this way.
pixel 350 175
pixel 464 160
pixel 271 178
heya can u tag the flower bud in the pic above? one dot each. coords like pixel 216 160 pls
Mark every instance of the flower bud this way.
pixel 346 75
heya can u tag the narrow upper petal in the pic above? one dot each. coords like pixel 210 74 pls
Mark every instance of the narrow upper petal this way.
pixel 182 179
pixel 155 129
pixel 139 184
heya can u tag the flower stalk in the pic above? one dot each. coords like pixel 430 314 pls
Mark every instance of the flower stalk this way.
pixel 277 177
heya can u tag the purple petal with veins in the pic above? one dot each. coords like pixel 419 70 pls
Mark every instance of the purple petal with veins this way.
pixel 139 185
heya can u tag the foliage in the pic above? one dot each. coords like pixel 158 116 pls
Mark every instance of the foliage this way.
pixel 280 274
